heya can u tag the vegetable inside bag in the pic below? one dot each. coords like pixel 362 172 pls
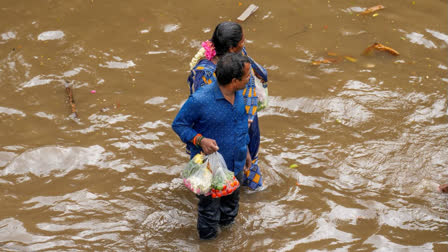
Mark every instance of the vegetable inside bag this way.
pixel 223 182
pixel 262 92
pixel 197 175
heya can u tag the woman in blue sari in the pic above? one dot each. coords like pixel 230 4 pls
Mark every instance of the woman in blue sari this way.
pixel 229 37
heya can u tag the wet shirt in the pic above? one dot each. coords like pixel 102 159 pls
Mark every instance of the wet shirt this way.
pixel 207 112
pixel 204 73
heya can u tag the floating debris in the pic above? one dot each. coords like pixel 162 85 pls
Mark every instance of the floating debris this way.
pixel 71 100
pixel 251 9
pixel 380 47
pixel 443 188
pixel 351 59
pixel 372 9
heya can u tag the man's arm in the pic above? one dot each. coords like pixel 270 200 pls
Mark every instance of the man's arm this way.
pixel 185 119
pixel 182 125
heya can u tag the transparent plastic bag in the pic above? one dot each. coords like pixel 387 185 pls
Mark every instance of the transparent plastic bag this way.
pixel 262 93
pixel 223 182
pixel 197 175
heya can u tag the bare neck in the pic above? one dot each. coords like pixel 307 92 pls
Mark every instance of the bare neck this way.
pixel 228 93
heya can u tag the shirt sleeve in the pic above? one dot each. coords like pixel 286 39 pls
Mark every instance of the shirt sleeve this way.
pixel 184 121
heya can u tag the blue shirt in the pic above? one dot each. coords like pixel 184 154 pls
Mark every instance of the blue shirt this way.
pixel 207 112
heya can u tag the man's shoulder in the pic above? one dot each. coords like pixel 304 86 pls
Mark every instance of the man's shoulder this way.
pixel 205 93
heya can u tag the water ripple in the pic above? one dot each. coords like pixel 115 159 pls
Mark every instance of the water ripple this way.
pixel 51 35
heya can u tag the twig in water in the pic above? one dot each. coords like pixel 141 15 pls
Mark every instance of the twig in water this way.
pixel 71 101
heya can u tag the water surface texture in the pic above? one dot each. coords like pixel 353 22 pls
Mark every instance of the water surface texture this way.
pixel 366 135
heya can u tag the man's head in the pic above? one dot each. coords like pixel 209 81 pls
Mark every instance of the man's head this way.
pixel 233 69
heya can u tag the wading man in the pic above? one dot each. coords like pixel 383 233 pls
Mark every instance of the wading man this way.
pixel 214 118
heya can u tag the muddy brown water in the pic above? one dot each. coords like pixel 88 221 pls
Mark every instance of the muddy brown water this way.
pixel 368 137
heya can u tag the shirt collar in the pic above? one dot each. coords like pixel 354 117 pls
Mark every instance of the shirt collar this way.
pixel 217 91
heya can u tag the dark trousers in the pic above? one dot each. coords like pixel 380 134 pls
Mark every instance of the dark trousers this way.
pixel 213 212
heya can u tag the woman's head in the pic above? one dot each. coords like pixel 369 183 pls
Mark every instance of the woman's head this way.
pixel 228 37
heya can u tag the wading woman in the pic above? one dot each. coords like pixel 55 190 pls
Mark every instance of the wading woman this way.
pixel 229 37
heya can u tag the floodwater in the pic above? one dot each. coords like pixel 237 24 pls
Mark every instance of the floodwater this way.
pixel 352 151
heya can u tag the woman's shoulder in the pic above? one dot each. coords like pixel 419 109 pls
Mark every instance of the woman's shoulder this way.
pixel 205 65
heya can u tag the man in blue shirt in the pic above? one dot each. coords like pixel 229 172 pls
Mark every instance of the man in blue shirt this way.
pixel 214 119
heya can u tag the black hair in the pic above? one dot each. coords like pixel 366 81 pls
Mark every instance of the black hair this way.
pixel 226 36
pixel 230 66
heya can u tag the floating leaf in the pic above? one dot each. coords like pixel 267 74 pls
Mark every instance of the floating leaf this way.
pixel 372 9
pixel 374 15
pixel 351 59
pixel 293 166
pixel 380 47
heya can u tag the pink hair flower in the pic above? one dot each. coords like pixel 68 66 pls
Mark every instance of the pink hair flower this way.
pixel 210 52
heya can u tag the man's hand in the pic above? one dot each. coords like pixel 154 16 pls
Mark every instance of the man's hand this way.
pixel 259 77
pixel 248 161
pixel 208 145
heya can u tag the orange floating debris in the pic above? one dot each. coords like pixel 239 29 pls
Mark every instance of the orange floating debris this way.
pixel 351 59
pixel 380 47
pixel 372 9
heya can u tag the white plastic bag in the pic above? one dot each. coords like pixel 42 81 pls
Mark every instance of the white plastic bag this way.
pixel 224 181
pixel 262 93
pixel 197 175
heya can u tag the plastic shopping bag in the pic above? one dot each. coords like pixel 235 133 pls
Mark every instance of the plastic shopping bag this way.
pixel 262 92
pixel 197 175
pixel 223 182
pixel 260 88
